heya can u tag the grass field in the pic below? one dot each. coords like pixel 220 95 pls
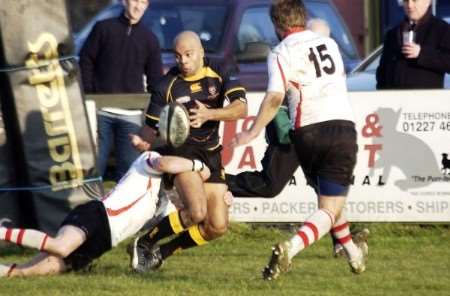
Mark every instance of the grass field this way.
pixel 404 260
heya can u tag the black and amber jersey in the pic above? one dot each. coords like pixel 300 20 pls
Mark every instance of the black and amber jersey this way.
pixel 211 86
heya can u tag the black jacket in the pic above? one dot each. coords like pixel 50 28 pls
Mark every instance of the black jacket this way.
pixel 116 55
pixel 428 70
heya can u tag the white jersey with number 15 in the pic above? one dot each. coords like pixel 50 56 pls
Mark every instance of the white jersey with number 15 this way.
pixel 308 68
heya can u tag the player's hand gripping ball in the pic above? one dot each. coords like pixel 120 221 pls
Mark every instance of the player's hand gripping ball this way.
pixel 174 124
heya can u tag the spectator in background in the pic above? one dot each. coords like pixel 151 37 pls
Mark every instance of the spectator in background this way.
pixel 120 56
pixel 416 53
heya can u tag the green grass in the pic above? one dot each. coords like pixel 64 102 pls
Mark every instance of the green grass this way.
pixel 404 260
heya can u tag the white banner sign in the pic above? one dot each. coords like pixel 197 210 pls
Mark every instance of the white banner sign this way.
pixel 402 173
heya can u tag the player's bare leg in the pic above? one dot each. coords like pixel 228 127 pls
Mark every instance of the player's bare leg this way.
pixel 216 223
pixel 68 239
pixel 190 186
pixel 192 191
pixel 42 264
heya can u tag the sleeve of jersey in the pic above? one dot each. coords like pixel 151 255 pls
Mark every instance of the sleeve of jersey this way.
pixel 157 102
pixel 278 71
pixel 233 89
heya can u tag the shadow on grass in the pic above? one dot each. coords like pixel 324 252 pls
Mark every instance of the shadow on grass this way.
pixel 8 249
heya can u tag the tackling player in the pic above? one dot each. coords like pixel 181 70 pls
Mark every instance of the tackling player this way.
pixel 95 227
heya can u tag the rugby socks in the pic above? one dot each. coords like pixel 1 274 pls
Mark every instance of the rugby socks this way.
pixel 315 226
pixel 24 237
pixel 341 231
pixel 189 238
pixel 168 226
pixel 6 270
pixel 334 239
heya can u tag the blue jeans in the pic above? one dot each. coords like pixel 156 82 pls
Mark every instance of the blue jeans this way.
pixel 113 129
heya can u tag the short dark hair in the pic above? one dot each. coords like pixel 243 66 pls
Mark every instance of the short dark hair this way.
pixel 286 14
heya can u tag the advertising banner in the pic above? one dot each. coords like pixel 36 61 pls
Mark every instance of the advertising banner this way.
pixel 9 201
pixel 403 168
pixel 45 96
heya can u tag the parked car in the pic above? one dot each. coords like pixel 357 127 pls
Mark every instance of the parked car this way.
pixel 235 31
pixel 363 76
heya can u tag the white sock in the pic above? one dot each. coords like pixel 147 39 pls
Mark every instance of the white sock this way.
pixel 24 237
pixel 315 226
pixel 341 232
pixel 6 269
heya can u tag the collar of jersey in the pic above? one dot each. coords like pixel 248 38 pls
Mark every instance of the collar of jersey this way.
pixel 202 73
pixel 292 31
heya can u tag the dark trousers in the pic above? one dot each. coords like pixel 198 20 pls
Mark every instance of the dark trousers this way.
pixel 278 166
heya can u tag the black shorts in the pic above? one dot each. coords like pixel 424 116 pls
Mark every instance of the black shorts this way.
pixel 327 154
pixel 91 217
pixel 210 157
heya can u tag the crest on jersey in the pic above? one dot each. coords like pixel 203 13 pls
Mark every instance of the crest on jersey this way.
pixel 196 87
pixel 212 90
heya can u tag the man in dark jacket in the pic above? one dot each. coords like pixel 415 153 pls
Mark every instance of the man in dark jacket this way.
pixel 116 57
pixel 416 53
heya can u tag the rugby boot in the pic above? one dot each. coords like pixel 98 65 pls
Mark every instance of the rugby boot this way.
pixel 139 250
pixel 358 265
pixel 154 260
pixel 279 262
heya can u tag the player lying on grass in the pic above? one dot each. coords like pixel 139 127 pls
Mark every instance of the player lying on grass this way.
pixel 95 227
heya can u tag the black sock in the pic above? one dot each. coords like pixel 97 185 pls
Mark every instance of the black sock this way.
pixel 185 240
pixel 169 225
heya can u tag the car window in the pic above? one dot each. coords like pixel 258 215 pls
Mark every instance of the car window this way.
pixel 372 67
pixel 255 27
pixel 338 32
pixel 166 21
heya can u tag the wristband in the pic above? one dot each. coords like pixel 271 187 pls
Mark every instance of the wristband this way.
pixel 197 165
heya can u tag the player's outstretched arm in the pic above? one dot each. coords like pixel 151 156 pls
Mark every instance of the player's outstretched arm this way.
pixel 267 110
pixel 176 165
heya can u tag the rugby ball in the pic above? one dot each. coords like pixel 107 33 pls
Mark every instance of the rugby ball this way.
pixel 174 124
